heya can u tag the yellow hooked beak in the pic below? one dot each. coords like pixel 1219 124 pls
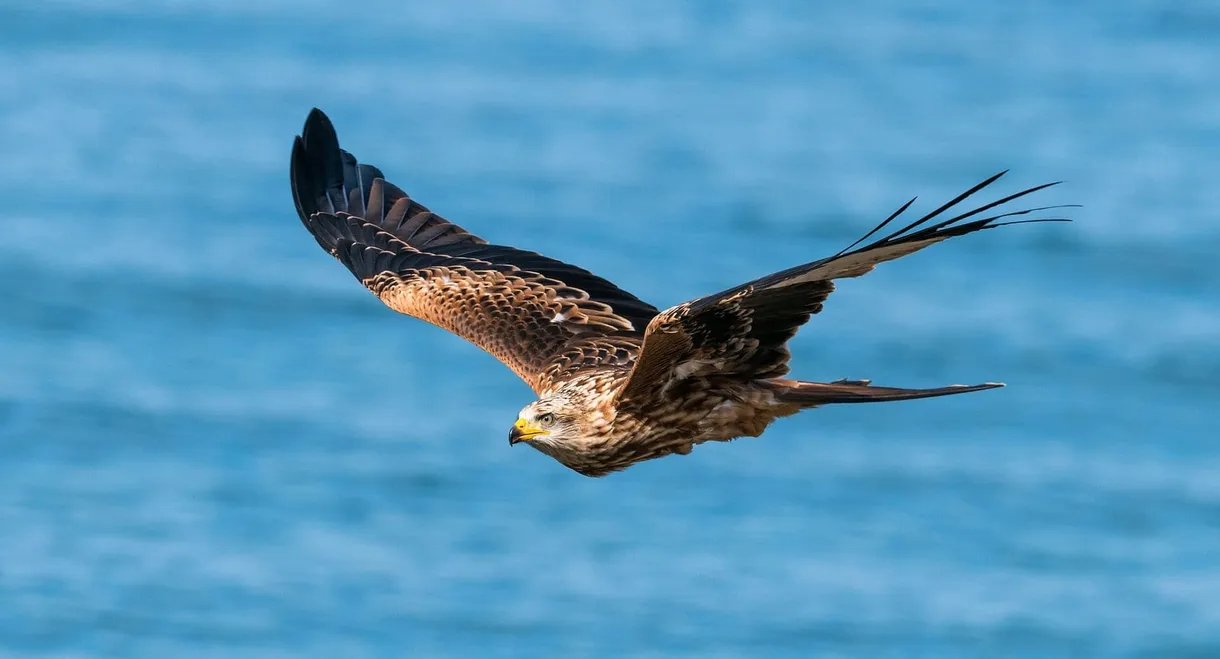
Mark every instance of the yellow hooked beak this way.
pixel 523 431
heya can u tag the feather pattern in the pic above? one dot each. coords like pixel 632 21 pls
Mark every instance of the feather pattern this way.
pixel 538 315
pixel 618 381
pixel 742 332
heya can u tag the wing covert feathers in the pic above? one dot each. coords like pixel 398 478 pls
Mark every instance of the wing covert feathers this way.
pixel 539 316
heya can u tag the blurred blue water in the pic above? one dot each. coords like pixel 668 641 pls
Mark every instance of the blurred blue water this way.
pixel 216 443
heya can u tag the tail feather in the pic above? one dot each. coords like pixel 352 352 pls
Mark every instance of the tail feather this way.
pixel 809 394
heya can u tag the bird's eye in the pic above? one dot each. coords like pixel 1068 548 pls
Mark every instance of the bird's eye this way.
pixel 546 419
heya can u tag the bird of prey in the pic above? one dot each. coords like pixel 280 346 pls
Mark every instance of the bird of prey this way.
pixel 618 381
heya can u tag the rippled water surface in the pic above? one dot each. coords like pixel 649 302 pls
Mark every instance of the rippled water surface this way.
pixel 216 443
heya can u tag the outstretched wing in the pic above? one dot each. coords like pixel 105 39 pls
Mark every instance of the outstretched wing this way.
pixel 529 311
pixel 743 332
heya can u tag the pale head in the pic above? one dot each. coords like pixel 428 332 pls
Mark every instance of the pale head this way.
pixel 548 421
pixel 568 425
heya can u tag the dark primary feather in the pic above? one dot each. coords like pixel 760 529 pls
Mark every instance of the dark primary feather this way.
pixel 322 182
pixel 769 310
pixel 526 309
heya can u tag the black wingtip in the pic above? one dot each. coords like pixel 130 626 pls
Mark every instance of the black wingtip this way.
pixel 950 204
pixel 296 176
pixel 319 134
pixel 901 209
pixel 317 122
pixel 316 167
pixel 953 226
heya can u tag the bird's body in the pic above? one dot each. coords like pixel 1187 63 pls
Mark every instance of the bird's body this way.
pixel 618 381
pixel 622 435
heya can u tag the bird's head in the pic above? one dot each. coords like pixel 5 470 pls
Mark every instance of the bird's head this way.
pixel 548 423
pixel 568 425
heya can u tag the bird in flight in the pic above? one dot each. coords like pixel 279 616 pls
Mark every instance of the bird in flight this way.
pixel 618 381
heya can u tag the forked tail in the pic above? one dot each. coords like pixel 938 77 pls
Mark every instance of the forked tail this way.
pixel 810 394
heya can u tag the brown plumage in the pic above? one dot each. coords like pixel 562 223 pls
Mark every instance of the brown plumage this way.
pixel 617 380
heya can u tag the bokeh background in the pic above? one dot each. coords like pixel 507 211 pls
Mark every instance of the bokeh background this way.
pixel 214 442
